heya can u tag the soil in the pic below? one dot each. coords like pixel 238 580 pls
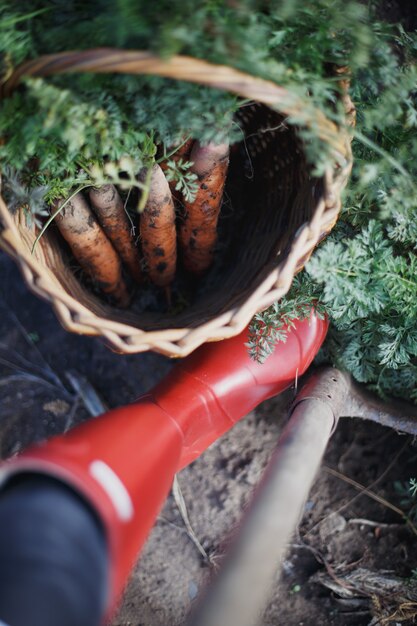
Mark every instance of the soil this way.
pixel 343 530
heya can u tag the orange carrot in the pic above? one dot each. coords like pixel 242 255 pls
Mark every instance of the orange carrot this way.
pixel 108 207
pixel 90 246
pixel 157 230
pixel 198 232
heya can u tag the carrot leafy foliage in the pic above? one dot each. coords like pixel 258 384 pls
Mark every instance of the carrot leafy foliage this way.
pixel 64 131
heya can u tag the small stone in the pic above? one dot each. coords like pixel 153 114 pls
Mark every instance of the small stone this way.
pixel 192 590
pixel 332 524
pixel 56 407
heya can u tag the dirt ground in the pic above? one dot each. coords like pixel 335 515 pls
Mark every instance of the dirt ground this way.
pixel 344 531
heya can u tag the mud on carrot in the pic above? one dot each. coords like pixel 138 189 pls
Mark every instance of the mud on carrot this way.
pixel 157 230
pixel 198 231
pixel 92 249
pixel 108 207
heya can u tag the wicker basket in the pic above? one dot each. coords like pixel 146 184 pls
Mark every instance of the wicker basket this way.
pixel 281 213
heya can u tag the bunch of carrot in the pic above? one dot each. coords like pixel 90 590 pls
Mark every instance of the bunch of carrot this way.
pixel 100 235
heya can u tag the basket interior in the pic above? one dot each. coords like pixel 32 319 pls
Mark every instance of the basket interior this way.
pixel 269 194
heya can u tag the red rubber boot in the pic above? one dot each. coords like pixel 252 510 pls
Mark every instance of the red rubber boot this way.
pixel 122 463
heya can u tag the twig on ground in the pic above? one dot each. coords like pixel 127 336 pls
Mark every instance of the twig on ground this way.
pixel 370 486
pixel 366 491
pixel 72 413
pixel 368 522
pixel 39 379
pixel 25 377
pixel 321 559
pixel 47 369
pixel 84 389
pixel 23 362
pixel 165 520
pixel 182 507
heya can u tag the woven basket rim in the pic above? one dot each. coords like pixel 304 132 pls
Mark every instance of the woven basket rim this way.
pixel 179 342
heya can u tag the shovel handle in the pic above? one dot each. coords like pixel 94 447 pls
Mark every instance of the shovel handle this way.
pixel 242 588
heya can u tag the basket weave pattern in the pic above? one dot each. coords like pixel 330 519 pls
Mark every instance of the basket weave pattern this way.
pixel 287 213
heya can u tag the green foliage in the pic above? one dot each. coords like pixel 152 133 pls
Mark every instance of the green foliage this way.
pixel 69 131
pixel 365 273
pixel 153 104
pixel 72 123
pixel 186 181
pixel 65 135
pixel 31 200
pixel 15 42
pixel 407 491
pixel 349 286
pixel 271 326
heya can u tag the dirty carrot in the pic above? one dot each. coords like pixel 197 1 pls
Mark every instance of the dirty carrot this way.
pixel 157 230
pixel 198 231
pixel 108 207
pixel 92 249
